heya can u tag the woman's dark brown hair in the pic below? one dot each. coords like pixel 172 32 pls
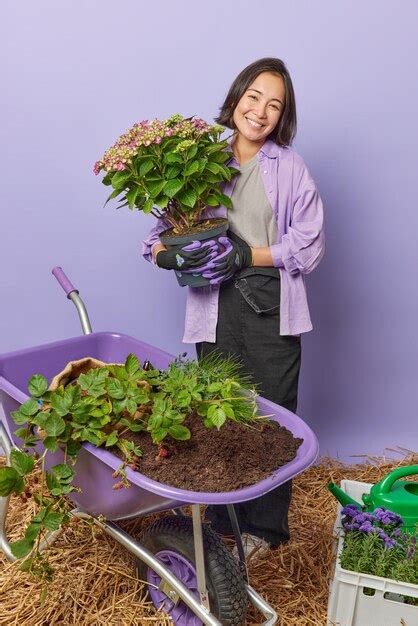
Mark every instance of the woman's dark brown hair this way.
pixel 285 130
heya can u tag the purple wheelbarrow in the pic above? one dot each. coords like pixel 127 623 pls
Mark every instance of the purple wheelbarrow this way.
pixel 190 573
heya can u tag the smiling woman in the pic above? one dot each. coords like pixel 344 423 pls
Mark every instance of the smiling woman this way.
pixel 256 305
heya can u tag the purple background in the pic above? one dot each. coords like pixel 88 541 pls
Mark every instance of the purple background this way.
pixel 77 74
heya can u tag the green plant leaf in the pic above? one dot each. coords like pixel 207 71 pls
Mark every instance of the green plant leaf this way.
pixel 19 418
pixel 188 197
pixel 10 481
pixel 155 187
pixel 73 448
pixel 54 425
pixel 145 167
pixel 181 433
pixel 224 200
pixel 61 403
pixel 115 388
pixel 135 427
pixel 131 406
pixel 33 530
pixel 119 406
pixel 161 201
pixel 107 179
pixel 211 410
pixel 37 385
pixel 132 364
pixel 30 407
pixel 91 436
pixel 23 463
pixel 211 200
pixel 183 398
pixel 172 187
pixel 172 171
pixel 64 473
pixel 191 152
pixel 229 411
pixel 94 381
pixel 159 434
pixel 112 439
pixel 218 418
pixel 120 179
pixel 173 157
pixel 214 387
pixel 192 168
pixel 21 548
pixel 148 205
pixel 118 372
pixel 21 432
pixel 140 395
pixel 59 478
pixel 131 196
pixel 215 168
pixel 51 444
pixel 53 520
pixel 155 421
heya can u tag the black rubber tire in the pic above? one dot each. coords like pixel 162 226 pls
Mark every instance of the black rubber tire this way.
pixel 226 587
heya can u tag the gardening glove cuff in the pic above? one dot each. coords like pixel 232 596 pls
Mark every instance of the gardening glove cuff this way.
pixel 188 257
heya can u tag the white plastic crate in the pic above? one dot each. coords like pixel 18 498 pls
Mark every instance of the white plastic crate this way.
pixel 348 605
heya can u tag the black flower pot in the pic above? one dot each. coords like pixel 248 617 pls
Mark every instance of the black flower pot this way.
pixel 194 280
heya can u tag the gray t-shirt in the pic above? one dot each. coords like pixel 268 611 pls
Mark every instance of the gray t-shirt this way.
pixel 251 217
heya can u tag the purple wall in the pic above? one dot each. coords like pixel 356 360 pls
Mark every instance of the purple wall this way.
pixel 75 75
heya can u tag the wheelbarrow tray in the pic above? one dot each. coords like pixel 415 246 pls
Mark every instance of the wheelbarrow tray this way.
pixel 95 466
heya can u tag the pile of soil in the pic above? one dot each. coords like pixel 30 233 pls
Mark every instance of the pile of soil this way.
pixel 218 460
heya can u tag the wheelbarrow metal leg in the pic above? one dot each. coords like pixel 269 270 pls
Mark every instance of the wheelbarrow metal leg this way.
pixel 262 606
pixel 7 445
pixel 149 559
pixel 199 556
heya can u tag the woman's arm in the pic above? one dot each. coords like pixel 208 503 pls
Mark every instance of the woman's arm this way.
pixel 156 248
pixel 302 247
pixel 262 257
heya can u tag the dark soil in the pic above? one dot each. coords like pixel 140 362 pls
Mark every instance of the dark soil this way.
pixel 233 457
pixel 196 228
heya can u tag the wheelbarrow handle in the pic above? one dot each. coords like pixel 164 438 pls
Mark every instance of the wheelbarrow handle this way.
pixel 65 283
pixel 72 294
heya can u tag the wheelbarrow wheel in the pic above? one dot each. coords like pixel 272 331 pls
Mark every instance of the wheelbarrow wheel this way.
pixel 171 540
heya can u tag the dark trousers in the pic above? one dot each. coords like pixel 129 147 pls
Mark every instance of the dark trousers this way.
pixel 273 361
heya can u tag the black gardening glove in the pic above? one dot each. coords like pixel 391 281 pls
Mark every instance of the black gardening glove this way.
pixel 188 257
pixel 236 256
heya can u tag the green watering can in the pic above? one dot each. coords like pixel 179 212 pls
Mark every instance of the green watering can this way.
pixel 398 496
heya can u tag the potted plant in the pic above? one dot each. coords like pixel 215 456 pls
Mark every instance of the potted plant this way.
pixel 172 169
pixel 139 413
pixel 376 573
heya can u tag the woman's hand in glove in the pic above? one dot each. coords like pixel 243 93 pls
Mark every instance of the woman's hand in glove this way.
pixel 235 256
pixel 188 258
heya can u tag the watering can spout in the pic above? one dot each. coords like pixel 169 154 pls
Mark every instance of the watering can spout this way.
pixel 341 496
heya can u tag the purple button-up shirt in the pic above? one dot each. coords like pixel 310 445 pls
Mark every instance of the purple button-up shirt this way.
pixel 298 210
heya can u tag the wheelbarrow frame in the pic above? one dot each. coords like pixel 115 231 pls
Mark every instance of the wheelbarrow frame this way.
pixel 173 587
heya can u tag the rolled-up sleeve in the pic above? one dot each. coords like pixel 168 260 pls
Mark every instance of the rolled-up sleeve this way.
pixel 303 246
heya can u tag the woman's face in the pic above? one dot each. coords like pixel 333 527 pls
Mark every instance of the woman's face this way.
pixel 260 107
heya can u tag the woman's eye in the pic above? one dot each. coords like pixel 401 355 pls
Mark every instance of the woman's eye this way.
pixel 252 97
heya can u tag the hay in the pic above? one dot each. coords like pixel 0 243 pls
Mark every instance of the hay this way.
pixel 95 579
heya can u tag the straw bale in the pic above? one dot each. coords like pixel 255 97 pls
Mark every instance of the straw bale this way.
pixel 95 581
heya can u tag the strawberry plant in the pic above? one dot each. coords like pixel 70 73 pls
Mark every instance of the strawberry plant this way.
pixel 101 407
